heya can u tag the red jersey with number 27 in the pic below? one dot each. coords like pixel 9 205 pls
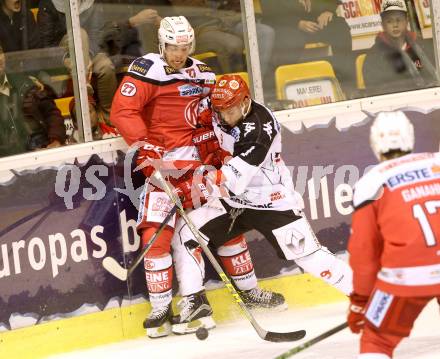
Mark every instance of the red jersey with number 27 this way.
pixel 160 103
pixel 395 240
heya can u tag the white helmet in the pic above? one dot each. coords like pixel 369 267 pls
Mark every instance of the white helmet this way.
pixel 391 131
pixel 175 30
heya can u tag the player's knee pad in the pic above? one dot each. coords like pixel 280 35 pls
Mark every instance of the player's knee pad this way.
pixel 161 245
pixel 188 261
pixel 324 265
pixel 237 262
pixel 159 277
pixel 296 239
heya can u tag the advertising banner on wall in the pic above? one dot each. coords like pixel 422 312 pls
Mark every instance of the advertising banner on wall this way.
pixel 325 162
pixel 423 11
pixel 363 16
pixel 60 220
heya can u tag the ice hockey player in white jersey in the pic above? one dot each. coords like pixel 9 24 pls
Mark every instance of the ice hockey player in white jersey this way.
pixel 253 190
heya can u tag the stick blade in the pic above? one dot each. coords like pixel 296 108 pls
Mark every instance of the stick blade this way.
pixel 285 337
pixel 112 266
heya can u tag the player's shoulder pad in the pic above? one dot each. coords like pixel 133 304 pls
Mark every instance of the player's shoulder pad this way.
pixel 201 66
pixel 384 174
pixel 260 126
pixel 141 66
pixel 368 188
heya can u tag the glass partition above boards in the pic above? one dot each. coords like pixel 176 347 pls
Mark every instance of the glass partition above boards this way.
pixel 327 50
pixel 35 81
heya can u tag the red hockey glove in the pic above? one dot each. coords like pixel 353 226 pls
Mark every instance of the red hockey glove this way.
pixel 192 193
pixel 206 141
pixel 208 146
pixel 149 156
pixel 355 318
pixel 204 112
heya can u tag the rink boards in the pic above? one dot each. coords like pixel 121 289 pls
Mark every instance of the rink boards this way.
pixel 112 325
pixel 64 210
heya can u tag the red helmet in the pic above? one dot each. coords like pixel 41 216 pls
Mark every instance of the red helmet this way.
pixel 229 91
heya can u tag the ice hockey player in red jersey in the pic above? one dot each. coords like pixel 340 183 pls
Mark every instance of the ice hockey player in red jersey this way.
pixel 156 108
pixel 395 242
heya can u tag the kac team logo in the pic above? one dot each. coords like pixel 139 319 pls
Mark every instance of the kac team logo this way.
pixel 191 112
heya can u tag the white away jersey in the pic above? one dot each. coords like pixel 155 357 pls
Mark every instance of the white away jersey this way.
pixel 256 176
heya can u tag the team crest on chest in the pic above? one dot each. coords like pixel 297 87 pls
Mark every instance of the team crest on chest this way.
pixel 191 112
pixel 191 72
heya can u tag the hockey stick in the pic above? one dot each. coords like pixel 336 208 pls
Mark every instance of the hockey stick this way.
pixel 111 265
pixel 313 341
pixel 264 334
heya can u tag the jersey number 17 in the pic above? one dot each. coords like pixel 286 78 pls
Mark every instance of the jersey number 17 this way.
pixel 421 216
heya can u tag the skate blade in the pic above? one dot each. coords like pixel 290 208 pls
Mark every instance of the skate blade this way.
pixel 162 331
pixel 191 327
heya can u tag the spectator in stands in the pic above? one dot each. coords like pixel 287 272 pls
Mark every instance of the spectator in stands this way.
pixel 396 59
pixel 29 118
pixel 18 29
pixel 122 37
pixel 265 33
pixel 298 22
pixel 144 18
pixel 212 34
pixel 51 20
pixel 101 128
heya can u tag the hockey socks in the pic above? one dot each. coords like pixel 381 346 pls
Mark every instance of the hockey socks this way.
pixel 237 262
pixel 159 275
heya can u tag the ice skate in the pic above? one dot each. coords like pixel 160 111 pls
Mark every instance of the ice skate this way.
pixel 195 312
pixel 258 298
pixel 158 322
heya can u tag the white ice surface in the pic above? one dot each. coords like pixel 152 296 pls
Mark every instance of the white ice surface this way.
pixel 238 340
